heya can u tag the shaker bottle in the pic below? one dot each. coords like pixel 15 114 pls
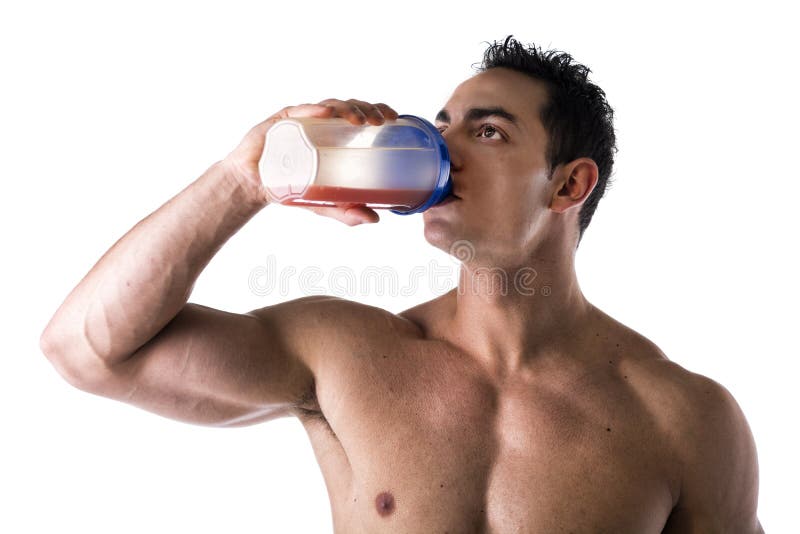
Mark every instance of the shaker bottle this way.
pixel 402 165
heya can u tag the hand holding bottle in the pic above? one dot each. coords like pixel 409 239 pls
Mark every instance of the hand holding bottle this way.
pixel 243 161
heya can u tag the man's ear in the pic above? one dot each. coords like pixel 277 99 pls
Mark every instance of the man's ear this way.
pixel 574 183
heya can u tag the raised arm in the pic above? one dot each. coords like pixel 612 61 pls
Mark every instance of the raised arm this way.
pixel 214 368
pixel 127 332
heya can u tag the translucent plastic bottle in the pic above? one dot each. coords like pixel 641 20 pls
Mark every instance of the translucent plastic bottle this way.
pixel 402 165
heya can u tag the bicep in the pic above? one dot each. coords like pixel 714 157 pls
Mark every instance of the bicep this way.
pixel 210 367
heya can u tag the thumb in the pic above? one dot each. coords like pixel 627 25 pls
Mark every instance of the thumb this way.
pixel 351 216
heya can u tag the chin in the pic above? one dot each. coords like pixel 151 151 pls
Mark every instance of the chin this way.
pixel 439 234
pixel 455 243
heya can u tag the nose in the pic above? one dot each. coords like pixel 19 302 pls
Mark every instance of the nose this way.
pixel 452 149
pixel 455 168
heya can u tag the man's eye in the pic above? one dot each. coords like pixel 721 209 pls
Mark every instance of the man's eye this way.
pixel 488 131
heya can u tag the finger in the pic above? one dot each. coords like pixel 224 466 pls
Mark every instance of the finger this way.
pixel 340 214
pixel 363 214
pixel 373 113
pixel 346 110
pixel 350 216
pixel 388 113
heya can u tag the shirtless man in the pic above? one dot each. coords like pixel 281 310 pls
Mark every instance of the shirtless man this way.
pixel 492 408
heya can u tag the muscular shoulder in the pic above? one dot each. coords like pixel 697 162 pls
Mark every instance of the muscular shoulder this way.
pixel 695 410
pixel 716 452
pixel 699 413
pixel 706 432
pixel 323 313
pixel 318 328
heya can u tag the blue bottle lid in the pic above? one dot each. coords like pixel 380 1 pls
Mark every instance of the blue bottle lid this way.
pixel 444 185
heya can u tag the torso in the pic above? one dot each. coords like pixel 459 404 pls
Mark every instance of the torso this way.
pixel 413 436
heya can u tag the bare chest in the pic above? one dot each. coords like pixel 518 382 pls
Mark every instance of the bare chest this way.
pixel 411 445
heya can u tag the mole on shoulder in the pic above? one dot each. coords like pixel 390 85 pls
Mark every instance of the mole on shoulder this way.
pixel 384 503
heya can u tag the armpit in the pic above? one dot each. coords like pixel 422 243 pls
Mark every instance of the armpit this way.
pixel 308 410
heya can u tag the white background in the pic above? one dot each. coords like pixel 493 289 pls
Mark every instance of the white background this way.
pixel 107 110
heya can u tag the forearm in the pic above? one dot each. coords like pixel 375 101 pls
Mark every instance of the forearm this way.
pixel 146 277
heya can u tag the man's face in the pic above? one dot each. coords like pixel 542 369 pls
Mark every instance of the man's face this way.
pixel 497 148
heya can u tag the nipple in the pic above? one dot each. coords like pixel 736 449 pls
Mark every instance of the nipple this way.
pixel 384 503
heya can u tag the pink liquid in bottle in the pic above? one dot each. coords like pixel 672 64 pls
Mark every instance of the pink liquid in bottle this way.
pixel 325 195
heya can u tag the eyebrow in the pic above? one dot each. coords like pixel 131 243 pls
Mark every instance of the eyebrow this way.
pixel 476 114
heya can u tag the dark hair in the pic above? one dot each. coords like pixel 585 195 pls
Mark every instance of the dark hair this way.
pixel 577 117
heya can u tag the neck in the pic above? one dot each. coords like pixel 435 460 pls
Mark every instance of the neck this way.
pixel 511 313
